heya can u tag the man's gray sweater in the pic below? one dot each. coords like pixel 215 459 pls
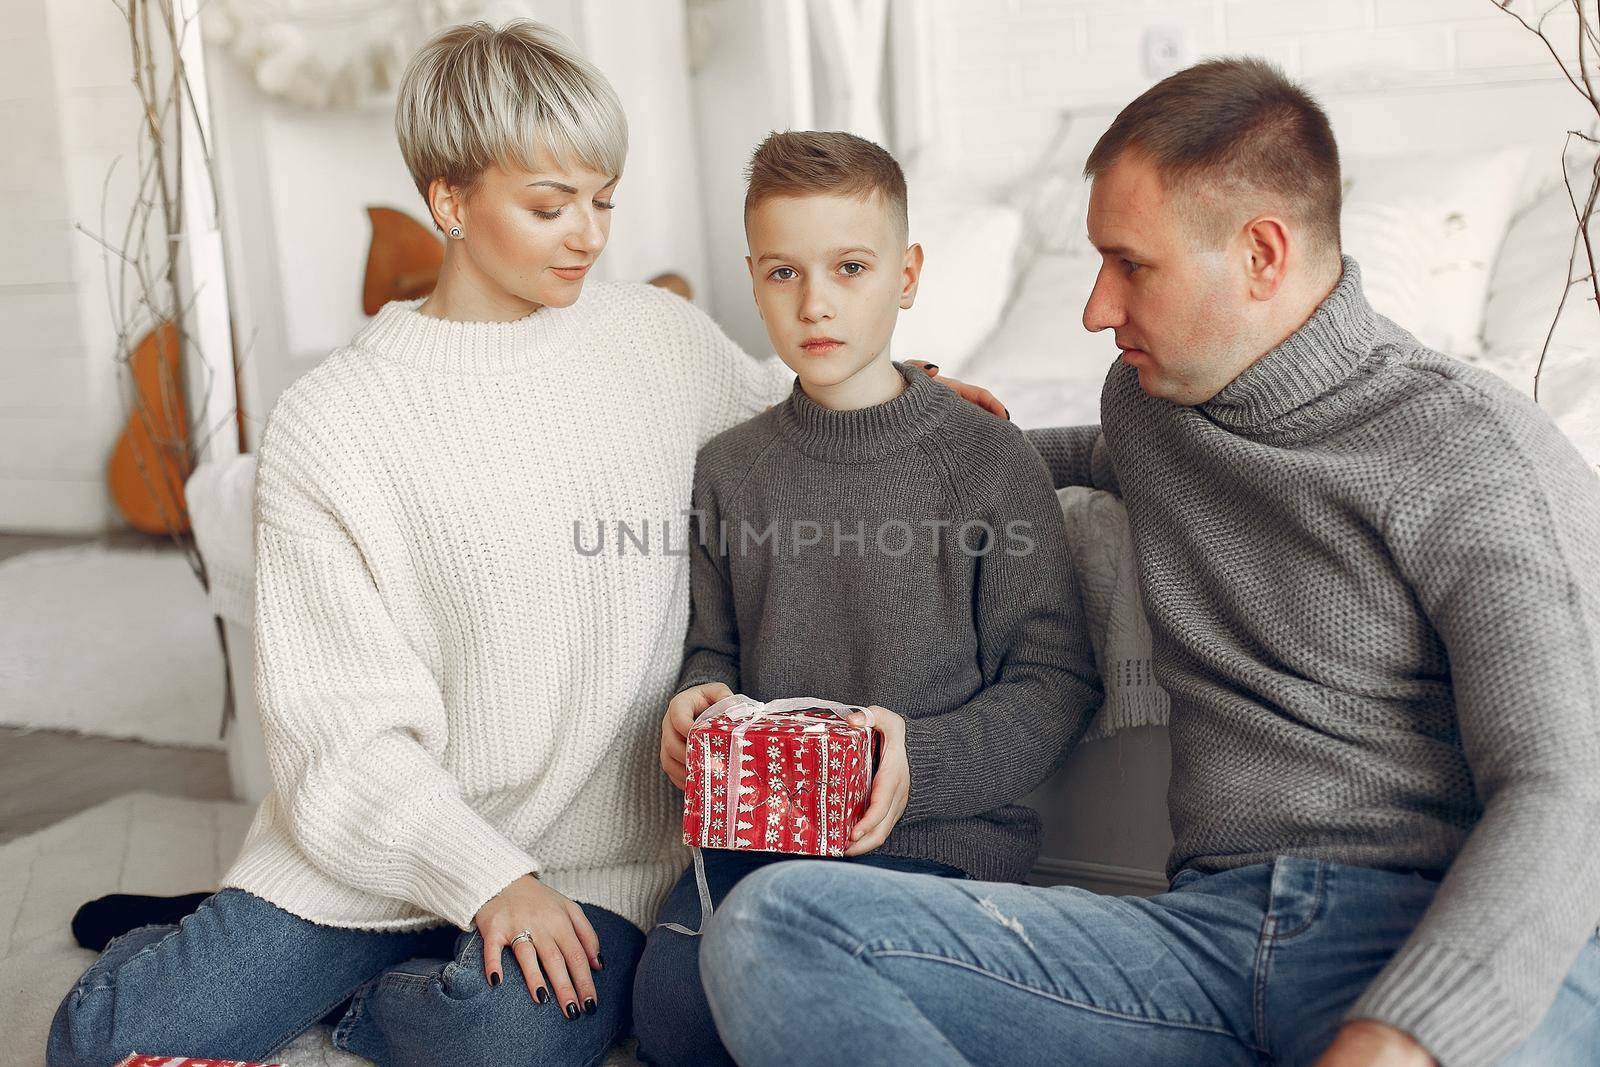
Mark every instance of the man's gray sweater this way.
pixel 1373 578
pixel 911 555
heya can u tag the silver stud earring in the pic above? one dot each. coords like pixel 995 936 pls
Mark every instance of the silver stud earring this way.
pixel 455 231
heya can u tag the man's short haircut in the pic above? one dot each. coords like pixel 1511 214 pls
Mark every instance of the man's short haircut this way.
pixel 475 96
pixel 1240 126
pixel 827 163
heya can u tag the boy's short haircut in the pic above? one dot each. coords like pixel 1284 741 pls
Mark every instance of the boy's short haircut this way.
pixel 828 163
pixel 1234 125
pixel 475 96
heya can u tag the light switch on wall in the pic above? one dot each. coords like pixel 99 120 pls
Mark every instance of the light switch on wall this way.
pixel 1165 50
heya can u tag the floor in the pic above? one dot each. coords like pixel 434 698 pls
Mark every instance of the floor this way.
pixel 15 544
pixel 50 776
pixel 137 843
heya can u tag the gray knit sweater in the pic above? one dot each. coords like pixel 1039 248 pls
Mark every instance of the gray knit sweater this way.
pixel 910 555
pixel 1373 578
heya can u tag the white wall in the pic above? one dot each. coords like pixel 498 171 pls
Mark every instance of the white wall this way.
pixel 998 74
pixel 752 76
pixel 68 111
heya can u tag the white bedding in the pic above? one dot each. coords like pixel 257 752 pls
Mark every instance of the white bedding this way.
pixel 1040 361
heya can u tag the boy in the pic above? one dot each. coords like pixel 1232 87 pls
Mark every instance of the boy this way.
pixel 869 541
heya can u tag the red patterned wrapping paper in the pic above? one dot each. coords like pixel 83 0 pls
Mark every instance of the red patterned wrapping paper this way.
pixel 786 776
pixel 139 1059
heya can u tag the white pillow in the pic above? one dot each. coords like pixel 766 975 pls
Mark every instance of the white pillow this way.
pixel 1388 240
pixel 1526 285
pixel 1456 208
pixel 969 252
pixel 1041 362
pixel 1523 295
pixel 1053 197
pixel 1055 213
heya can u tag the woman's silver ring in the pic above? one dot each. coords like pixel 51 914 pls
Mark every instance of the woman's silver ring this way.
pixel 524 936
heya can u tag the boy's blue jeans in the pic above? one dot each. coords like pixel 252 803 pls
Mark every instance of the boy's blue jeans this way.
pixel 671 1017
pixel 240 978
pixel 806 962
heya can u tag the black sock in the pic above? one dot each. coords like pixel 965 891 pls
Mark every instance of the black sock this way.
pixel 99 921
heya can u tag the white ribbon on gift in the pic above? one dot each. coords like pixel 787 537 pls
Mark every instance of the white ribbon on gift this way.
pixel 752 711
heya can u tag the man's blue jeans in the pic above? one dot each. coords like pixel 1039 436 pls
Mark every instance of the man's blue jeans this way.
pixel 671 1016
pixel 805 962
pixel 240 978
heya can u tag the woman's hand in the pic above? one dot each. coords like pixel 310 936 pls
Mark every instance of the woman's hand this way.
pixel 564 947
pixel 682 710
pixel 891 785
pixel 976 394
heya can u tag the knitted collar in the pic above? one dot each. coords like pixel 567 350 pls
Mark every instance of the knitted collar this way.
pixel 865 433
pixel 1312 361
pixel 402 334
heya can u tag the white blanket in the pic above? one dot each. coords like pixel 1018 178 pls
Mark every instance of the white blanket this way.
pixel 1108 578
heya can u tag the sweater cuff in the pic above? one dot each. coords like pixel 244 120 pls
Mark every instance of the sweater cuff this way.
pixel 1448 1002
pixel 468 862
pixel 926 750
pixel 700 670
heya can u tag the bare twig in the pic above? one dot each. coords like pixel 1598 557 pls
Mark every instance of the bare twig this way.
pixel 1588 46
pixel 1537 29
pixel 145 284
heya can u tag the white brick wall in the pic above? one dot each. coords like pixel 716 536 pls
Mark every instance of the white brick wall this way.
pixel 65 99
pixel 1005 70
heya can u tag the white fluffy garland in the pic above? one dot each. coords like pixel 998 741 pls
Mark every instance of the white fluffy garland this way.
pixel 332 53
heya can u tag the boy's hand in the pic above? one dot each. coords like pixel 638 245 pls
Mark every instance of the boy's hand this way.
pixel 682 710
pixel 891 786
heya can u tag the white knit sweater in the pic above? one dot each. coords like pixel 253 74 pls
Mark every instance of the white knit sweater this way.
pixel 452 694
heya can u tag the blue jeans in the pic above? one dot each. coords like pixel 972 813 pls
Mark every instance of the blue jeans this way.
pixel 1247 966
pixel 240 978
pixel 670 1013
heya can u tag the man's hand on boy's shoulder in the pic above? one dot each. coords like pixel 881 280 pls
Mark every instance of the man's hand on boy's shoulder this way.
pixel 975 394
pixel 891 785
pixel 682 710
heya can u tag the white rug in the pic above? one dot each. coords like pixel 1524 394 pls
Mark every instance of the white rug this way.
pixel 117 642
pixel 137 843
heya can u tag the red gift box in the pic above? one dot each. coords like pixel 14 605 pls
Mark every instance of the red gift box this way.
pixel 139 1059
pixel 785 776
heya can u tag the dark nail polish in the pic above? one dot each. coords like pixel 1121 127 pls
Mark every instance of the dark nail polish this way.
pixel 540 995
pixel 933 368
pixel 571 1010
pixel 494 979
pixel 588 1006
pixel 1008 413
pixel 598 962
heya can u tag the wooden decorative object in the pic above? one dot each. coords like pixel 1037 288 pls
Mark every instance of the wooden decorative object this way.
pixel 674 282
pixel 150 461
pixel 402 262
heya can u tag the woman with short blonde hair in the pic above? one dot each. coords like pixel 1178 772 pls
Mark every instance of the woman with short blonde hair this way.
pixel 460 687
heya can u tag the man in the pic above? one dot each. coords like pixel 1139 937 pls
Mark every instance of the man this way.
pixel 1373 578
